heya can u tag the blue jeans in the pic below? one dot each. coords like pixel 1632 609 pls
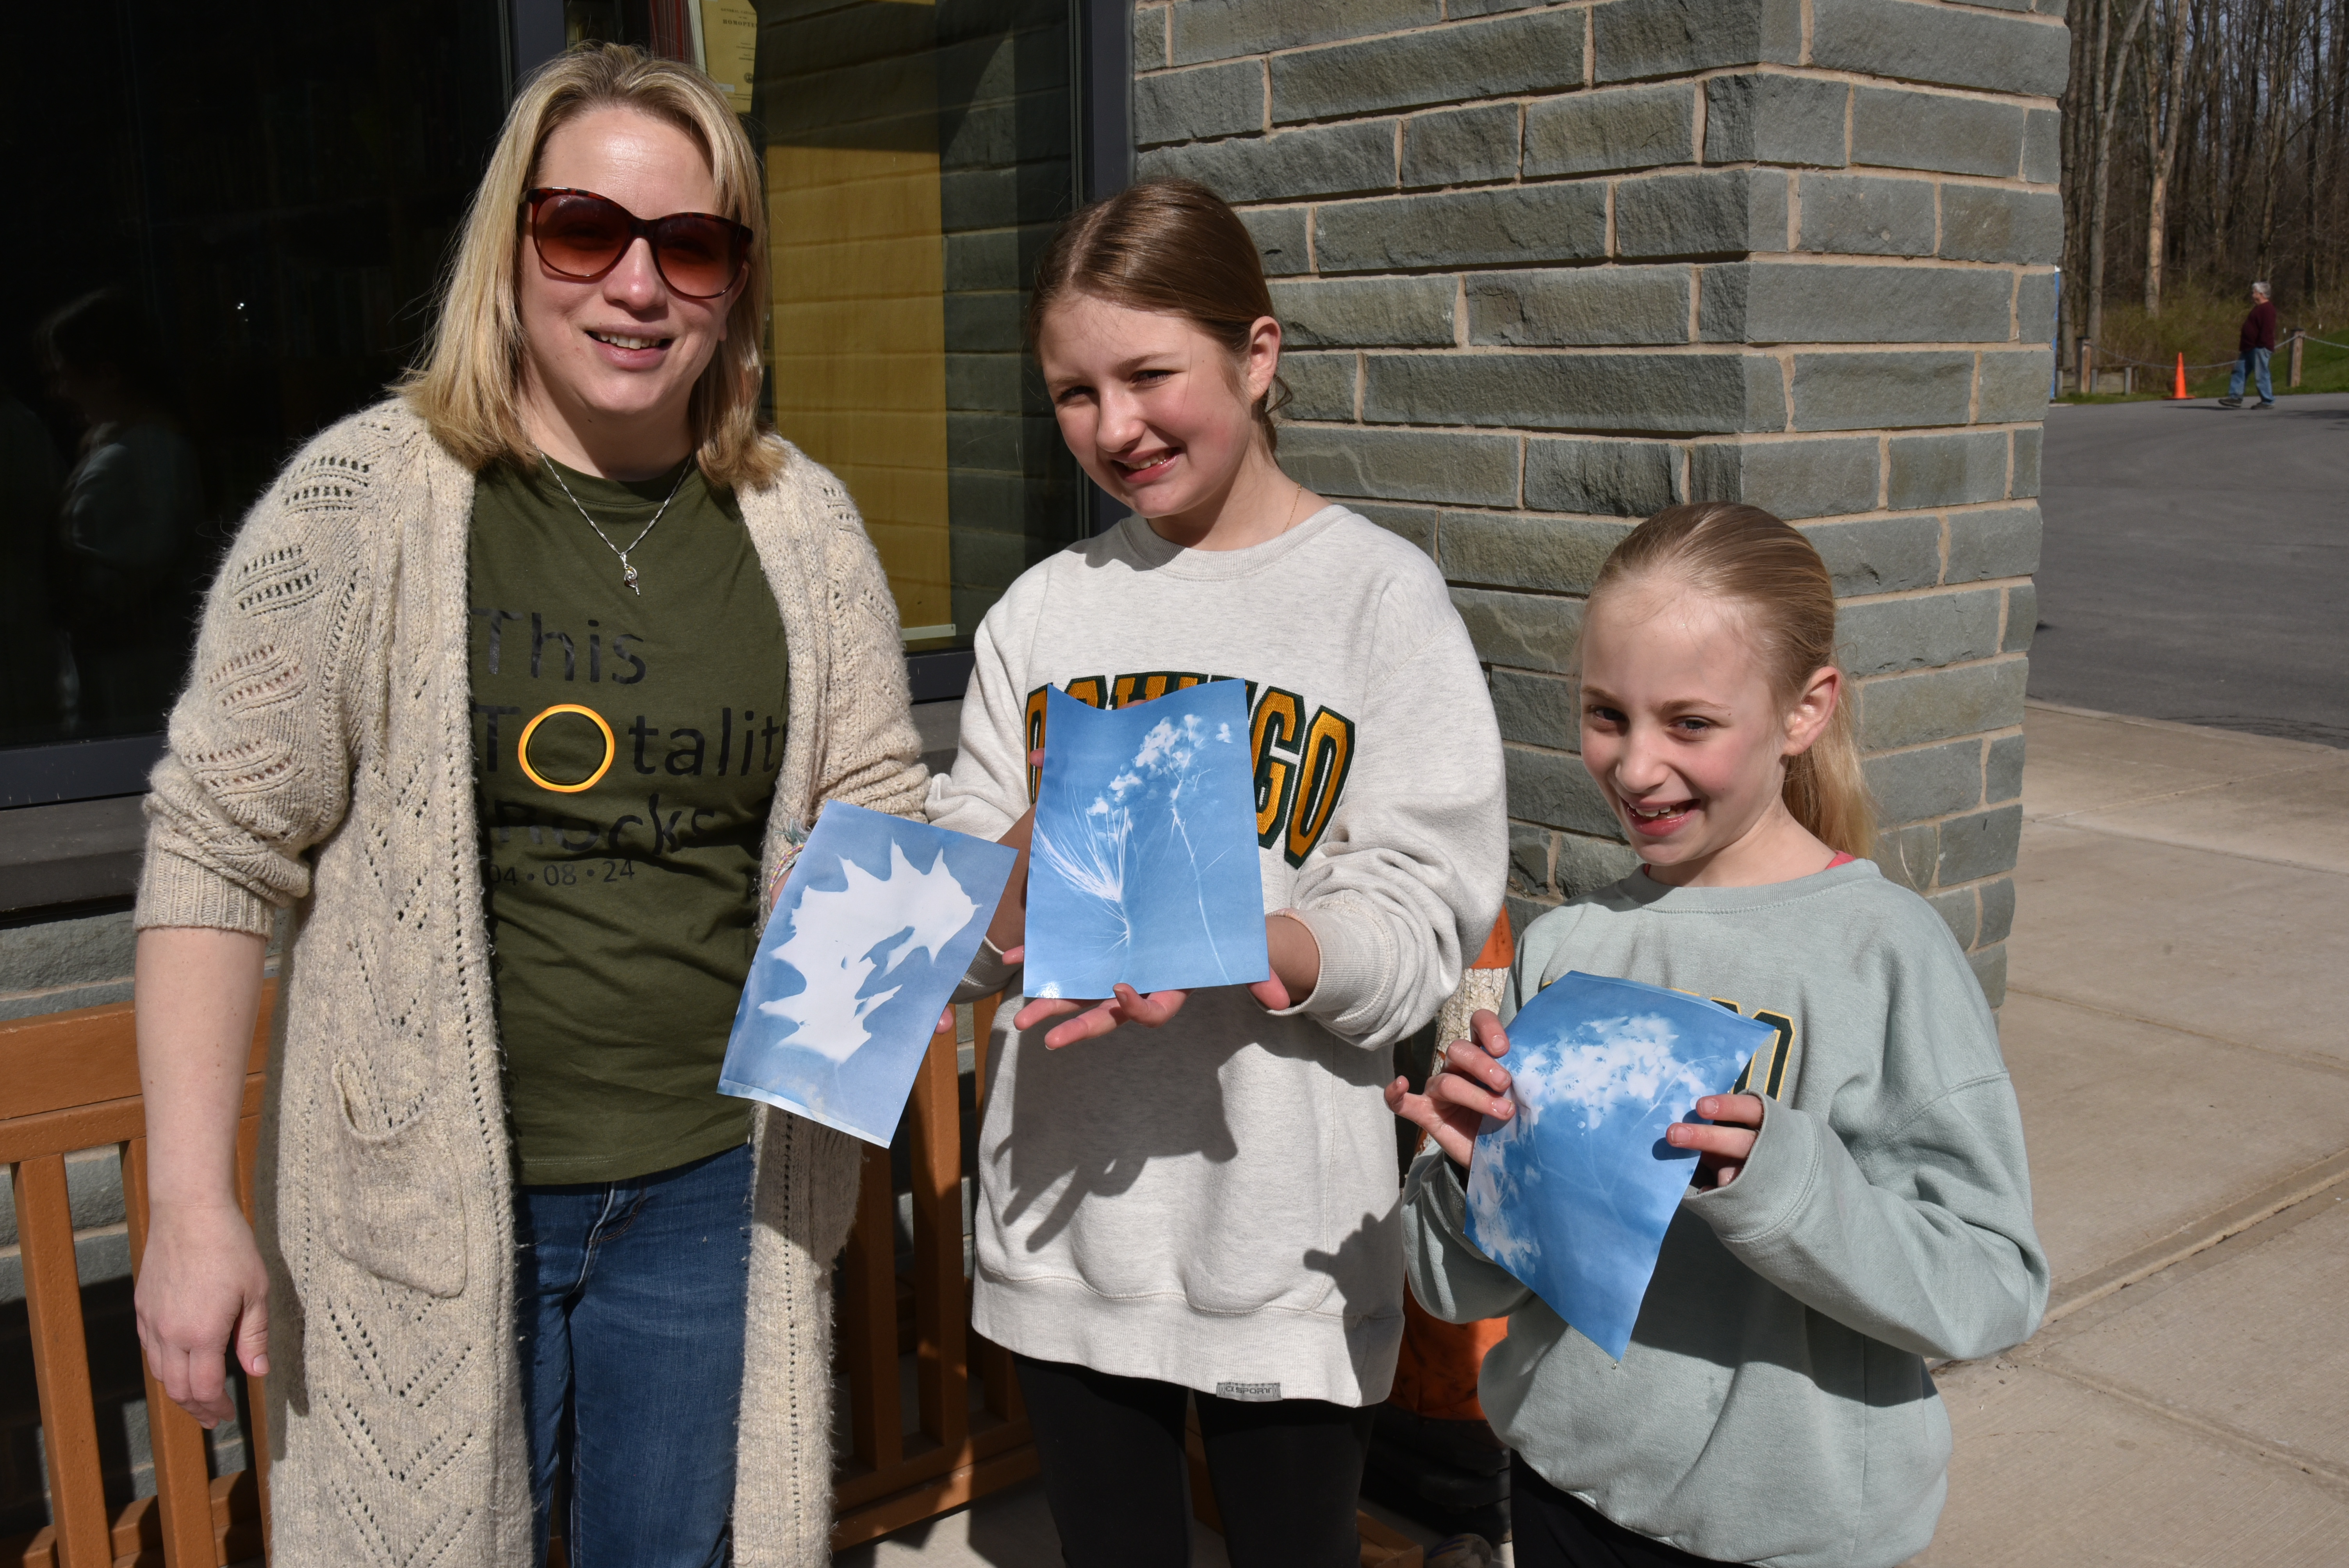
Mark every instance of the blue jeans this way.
pixel 632 1296
pixel 2254 361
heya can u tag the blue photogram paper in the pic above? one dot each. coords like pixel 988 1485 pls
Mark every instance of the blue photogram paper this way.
pixel 1573 1194
pixel 876 926
pixel 1142 867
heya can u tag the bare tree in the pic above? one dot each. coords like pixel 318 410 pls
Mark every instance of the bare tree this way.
pixel 2234 163
pixel 2164 118
pixel 2110 74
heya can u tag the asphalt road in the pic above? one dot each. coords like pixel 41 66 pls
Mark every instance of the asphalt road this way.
pixel 2196 565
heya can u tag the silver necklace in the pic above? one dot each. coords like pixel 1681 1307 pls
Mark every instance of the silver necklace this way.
pixel 628 571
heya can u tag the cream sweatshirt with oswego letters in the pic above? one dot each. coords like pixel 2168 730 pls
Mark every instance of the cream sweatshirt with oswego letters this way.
pixel 1211 1203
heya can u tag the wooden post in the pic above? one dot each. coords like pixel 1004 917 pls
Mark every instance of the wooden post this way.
pixel 2299 337
pixel 868 1319
pixel 990 1361
pixel 2128 380
pixel 61 1364
pixel 2088 368
pixel 941 1310
pixel 256 1389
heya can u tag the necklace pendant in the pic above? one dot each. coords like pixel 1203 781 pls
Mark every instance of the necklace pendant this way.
pixel 629 576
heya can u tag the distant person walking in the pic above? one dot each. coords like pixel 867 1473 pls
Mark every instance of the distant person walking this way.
pixel 2257 343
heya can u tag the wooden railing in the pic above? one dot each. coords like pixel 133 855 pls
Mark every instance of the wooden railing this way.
pixel 953 1453
pixel 69 1082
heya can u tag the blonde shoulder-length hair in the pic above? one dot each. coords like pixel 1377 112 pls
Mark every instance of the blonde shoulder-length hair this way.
pixel 467 385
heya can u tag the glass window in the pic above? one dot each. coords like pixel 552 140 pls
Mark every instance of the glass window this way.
pixel 229 237
pixel 918 156
pixel 918 153
pixel 228 224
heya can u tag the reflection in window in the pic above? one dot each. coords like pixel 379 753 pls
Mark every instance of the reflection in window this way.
pixel 241 215
pixel 917 156
pixel 130 514
pixel 241 212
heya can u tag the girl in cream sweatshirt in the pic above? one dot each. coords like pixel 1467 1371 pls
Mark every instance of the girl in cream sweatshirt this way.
pixel 1207 1207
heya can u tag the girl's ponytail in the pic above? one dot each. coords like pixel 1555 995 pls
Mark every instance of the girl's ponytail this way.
pixel 1827 791
pixel 1745 553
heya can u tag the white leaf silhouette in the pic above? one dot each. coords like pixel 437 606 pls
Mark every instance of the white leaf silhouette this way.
pixel 835 934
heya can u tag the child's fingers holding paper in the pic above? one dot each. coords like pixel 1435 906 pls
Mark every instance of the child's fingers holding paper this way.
pixel 1475 1062
pixel 1723 1147
pixel 1043 1007
pixel 1732 1110
pixel 1486 1026
pixel 1095 1019
pixel 1472 1082
pixel 1456 1134
pixel 1128 1006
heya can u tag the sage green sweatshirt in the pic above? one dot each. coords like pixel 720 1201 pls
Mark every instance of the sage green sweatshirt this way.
pixel 1775 1407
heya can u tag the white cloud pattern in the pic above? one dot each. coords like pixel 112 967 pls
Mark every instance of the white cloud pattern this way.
pixel 1573 1192
pixel 1621 1061
pixel 1607 1066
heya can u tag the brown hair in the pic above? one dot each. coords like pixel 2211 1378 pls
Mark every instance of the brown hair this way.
pixel 1168 246
pixel 1742 552
pixel 467 385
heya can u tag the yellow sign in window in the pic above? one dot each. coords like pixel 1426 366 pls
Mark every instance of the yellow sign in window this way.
pixel 917 157
pixel 730 48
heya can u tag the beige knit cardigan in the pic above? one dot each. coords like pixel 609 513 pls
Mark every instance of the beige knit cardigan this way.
pixel 321 759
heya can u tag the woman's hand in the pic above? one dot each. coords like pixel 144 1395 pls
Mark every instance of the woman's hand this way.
pixel 202 1293
pixel 1472 1086
pixel 1296 969
pixel 1724 1148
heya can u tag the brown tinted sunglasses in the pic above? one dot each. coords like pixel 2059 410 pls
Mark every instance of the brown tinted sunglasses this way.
pixel 581 236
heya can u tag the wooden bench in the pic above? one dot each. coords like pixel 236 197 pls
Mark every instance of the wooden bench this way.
pixel 69 1082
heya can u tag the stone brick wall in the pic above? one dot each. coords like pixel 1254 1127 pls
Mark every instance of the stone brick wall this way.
pixel 52 961
pixel 1547 268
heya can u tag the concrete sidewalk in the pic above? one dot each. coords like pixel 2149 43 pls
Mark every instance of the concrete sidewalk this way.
pixel 2182 908
pixel 1013 1529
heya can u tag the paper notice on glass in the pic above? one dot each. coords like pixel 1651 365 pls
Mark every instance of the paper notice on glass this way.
pixel 1573 1194
pixel 730 48
pixel 1143 866
pixel 877 923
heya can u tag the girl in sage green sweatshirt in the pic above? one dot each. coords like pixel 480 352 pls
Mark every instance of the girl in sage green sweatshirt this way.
pixel 1861 1201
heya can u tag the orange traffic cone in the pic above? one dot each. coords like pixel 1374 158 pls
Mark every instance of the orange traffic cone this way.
pixel 2179 396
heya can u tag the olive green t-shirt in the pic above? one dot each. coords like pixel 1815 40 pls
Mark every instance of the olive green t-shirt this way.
pixel 620 846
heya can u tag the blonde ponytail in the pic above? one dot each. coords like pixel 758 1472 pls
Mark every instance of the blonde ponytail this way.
pixel 1745 553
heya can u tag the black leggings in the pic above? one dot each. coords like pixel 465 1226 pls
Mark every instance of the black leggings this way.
pixel 1286 1473
pixel 1552 1529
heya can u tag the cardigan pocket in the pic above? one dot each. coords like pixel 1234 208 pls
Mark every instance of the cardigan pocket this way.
pixel 397 1210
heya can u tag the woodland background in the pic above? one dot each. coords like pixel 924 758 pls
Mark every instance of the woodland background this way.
pixel 2206 144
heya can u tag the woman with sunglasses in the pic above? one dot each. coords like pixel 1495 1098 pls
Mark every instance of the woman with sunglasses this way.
pixel 516 691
